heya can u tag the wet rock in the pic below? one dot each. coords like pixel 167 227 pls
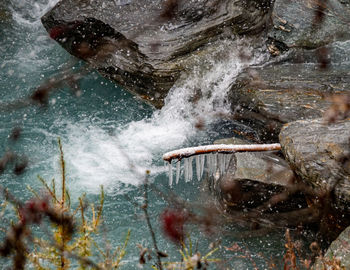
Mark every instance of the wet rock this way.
pixel 338 254
pixel 5 14
pixel 252 178
pixel 263 167
pixel 144 45
pixel 319 154
pixel 309 24
pixel 273 95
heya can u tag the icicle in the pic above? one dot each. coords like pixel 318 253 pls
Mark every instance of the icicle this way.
pixel 212 164
pixel 190 169
pixel 202 161
pixel 215 162
pixel 198 168
pixel 228 160
pixel 178 164
pixel 170 167
pixel 218 163
pixel 224 159
pixel 209 163
pixel 222 164
pixel 186 169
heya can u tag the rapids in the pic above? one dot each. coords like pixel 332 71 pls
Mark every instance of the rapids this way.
pixel 106 129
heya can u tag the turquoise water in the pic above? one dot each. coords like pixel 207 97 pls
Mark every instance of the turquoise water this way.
pixel 106 128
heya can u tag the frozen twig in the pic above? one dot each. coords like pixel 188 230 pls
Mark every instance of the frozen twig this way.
pixel 219 148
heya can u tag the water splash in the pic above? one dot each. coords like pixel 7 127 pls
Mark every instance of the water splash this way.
pixel 95 154
pixel 29 12
pixel 24 47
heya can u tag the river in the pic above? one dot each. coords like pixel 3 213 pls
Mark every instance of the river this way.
pixel 105 128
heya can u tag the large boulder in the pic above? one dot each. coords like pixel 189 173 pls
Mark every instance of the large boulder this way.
pixel 273 95
pixel 259 166
pixel 144 45
pixel 311 40
pixel 319 154
pixel 251 179
pixel 310 24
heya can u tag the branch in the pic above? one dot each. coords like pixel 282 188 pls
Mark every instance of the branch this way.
pixel 220 148
pixel 145 210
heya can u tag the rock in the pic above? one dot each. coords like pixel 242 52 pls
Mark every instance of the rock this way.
pixel 319 154
pixel 144 46
pixel 338 254
pixel 273 95
pixel 258 166
pixel 310 24
pixel 251 179
pixel 5 14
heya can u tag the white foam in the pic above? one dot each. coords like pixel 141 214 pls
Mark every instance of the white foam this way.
pixel 97 158
pixel 29 12
pixel 30 43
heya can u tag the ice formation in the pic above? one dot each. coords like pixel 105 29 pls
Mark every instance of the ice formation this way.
pixel 210 158
pixel 210 163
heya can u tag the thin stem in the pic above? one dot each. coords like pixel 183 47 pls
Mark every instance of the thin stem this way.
pixel 63 168
pixel 145 210
pixel 62 231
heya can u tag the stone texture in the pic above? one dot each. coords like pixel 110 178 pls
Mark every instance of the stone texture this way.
pixel 293 22
pixel 315 150
pixel 258 166
pixel 252 179
pixel 144 45
pixel 338 253
pixel 280 93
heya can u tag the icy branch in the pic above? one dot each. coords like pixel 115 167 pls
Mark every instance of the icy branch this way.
pixel 219 148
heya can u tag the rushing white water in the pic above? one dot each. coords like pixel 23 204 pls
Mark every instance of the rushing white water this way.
pixel 30 11
pixel 98 157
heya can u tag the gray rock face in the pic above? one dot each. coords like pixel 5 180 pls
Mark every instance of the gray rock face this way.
pixel 337 254
pixel 251 179
pixel 316 150
pixel 143 45
pixel 278 94
pixel 258 166
pixel 310 24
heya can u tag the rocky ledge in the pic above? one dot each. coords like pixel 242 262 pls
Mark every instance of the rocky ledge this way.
pixel 278 94
pixel 144 45
pixel 309 24
pixel 258 184
pixel 319 153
